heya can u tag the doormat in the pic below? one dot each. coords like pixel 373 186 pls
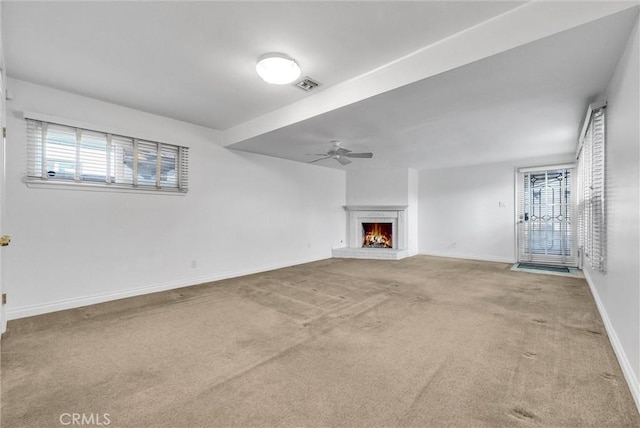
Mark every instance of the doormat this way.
pixel 547 269
pixel 562 269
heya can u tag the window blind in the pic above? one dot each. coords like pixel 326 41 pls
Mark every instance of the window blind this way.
pixel 60 153
pixel 591 191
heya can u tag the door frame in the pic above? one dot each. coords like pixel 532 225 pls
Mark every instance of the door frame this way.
pixel 3 124
pixel 517 223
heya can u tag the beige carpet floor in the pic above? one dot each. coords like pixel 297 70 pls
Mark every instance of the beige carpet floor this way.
pixel 423 342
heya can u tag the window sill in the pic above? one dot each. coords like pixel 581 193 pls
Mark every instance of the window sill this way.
pixel 62 185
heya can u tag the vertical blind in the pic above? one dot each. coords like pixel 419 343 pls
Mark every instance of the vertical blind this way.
pixel 69 154
pixel 591 191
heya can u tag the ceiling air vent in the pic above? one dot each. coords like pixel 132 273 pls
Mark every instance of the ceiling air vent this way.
pixel 307 84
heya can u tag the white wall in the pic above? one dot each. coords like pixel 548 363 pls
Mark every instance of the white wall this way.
pixel 617 292
pixel 460 215
pixel 243 213
pixel 469 212
pixel 378 187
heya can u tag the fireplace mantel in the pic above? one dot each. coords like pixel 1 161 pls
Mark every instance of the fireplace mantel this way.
pixel 357 214
pixel 375 207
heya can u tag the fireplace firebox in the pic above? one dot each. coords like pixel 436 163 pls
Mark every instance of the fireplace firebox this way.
pixel 377 235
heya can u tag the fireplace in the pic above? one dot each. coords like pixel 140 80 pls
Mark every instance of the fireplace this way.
pixel 375 232
pixel 377 235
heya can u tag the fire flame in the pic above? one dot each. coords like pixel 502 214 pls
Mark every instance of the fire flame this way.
pixel 377 235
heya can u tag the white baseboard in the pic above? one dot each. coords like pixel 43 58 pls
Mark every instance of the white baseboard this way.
pixel 76 302
pixel 625 365
pixel 468 256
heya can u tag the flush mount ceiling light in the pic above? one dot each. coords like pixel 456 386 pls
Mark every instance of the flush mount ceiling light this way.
pixel 278 68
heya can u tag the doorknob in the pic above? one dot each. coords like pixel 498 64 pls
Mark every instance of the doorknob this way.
pixel 4 240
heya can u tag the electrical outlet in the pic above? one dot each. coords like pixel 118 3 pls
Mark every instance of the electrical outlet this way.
pixel 4 298
pixel 194 264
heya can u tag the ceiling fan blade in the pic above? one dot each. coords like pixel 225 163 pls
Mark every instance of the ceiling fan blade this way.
pixel 341 151
pixel 359 155
pixel 326 157
pixel 343 161
pixel 315 154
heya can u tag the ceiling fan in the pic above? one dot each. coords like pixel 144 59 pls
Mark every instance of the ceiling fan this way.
pixel 340 154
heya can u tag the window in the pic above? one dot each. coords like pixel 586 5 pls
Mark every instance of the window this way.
pixel 591 190
pixel 67 154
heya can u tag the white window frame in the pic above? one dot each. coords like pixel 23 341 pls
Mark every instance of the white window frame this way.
pixel 42 179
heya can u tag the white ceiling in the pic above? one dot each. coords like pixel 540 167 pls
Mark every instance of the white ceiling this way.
pixel 524 103
pixel 195 61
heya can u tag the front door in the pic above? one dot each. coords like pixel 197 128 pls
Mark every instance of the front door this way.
pixel 546 227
